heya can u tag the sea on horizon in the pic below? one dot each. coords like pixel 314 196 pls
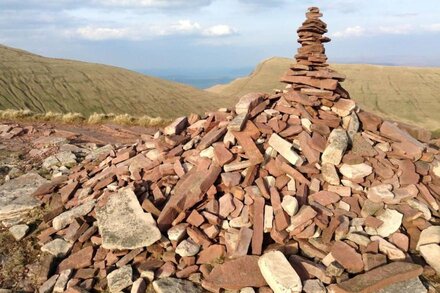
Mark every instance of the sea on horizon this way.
pixel 202 79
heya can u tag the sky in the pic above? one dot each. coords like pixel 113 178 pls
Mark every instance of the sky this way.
pixel 205 35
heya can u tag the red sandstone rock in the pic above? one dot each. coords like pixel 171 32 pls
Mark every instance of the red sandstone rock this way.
pixel 324 197
pixel 188 192
pixel 258 226
pixel 212 254
pixel 78 260
pixel 379 278
pixel 222 155
pixel 372 260
pixel 238 273
pixel 347 257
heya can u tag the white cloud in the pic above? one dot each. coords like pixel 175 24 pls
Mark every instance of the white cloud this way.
pixel 354 31
pixel 180 27
pixel 185 26
pixel 401 29
pixel 435 27
pixel 220 30
pixel 142 32
pixel 103 33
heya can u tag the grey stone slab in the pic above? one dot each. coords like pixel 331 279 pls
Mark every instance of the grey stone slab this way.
pixel 123 224
pixel 16 195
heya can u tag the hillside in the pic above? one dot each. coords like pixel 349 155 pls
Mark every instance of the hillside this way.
pixel 408 94
pixel 40 84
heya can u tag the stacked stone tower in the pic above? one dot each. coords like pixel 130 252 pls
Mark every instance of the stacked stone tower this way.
pixel 311 74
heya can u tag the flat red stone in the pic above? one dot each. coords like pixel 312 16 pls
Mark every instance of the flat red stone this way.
pixel 222 155
pixel 188 191
pixel 212 254
pixel 347 257
pixel 379 278
pixel 238 273
pixel 258 225
pixel 78 260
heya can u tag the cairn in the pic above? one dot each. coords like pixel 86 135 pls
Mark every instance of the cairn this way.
pixel 310 75
pixel 291 191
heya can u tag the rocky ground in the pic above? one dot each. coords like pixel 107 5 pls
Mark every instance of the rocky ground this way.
pixel 31 154
pixel 37 158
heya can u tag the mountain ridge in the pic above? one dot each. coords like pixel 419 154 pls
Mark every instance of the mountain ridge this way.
pixel 407 94
pixel 42 84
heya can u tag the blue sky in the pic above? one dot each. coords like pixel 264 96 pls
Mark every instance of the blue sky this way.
pixel 207 34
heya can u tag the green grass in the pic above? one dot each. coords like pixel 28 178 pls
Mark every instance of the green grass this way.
pixel 407 94
pixel 42 85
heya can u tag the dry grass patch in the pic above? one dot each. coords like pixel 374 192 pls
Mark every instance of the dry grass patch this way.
pixel 124 119
pixel 152 121
pixel 16 114
pixel 51 116
pixel 99 118
pixel 78 118
pixel 73 118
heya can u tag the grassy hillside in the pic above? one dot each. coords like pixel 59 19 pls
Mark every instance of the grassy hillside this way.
pixel 408 94
pixel 40 84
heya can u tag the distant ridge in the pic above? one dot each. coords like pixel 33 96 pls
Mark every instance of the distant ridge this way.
pixel 407 94
pixel 40 84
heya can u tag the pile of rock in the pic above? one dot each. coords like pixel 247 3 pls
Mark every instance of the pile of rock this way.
pixel 293 191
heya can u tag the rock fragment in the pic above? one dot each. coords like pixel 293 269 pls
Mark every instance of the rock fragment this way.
pixel 64 219
pixel 176 127
pixel 57 247
pixel 290 205
pixel 392 220
pixel 19 231
pixel 337 144
pixel 16 198
pixel 313 286
pixel 430 235
pixel 347 257
pixel 285 149
pixel 47 286
pixel 412 285
pixel 62 280
pixel 379 278
pixel 431 254
pixel 120 279
pixel 230 275
pixel 278 273
pixel 123 224
pixel 380 193
pixel 356 171
pixel 167 285
pixel 187 248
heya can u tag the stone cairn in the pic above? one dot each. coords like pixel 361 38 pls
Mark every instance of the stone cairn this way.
pixel 310 77
pixel 298 190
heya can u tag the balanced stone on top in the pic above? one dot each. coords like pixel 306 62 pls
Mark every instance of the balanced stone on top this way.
pixel 311 72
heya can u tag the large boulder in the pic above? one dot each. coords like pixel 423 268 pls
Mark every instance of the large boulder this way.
pixel 123 224
pixel 16 198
